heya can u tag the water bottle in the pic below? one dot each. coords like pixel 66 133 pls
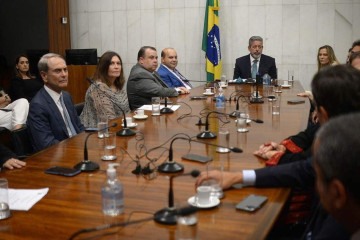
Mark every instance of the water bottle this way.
pixel 220 99
pixel 112 193
pixel 266 79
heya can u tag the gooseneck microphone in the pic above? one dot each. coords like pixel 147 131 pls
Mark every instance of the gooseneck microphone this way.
pixel 86 165
pixel 207 134
pixel 234 113
pixel 166 109
pixel 125 131
pixel 171 166
pixel 169 214
pixel 257 99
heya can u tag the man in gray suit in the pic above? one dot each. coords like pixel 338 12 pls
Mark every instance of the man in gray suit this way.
pixel 144 83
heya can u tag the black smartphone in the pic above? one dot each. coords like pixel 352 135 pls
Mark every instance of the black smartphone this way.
pixel 197 158
pixel 295 101
pixel 251 203
pixel 91 129
pixel 63 171
pixel 198 97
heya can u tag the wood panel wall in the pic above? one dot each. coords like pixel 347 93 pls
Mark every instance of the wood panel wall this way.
pixel 59 33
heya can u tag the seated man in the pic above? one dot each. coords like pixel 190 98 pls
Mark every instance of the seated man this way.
pixel 8 159
pixel 255 63
pixel 14 114
pixel 336 92
pixel 144 82
pixel 52 116
pixel 336 163
pixel 168 72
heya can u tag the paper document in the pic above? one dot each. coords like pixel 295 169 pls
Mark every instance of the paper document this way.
pixel 149 107
pixel 24 199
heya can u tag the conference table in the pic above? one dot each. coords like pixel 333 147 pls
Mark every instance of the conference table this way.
pixel 74 203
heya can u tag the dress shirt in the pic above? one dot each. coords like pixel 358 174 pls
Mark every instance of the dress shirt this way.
pixel 178 75
pixel 56 97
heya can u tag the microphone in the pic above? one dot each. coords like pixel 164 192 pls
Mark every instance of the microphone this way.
pixel 125 131
pixel 166 109
pixel 169 214
pixel 5 110
pixel 207 134
pixel 170 166
pixel 256 99
pixel 86 164
pixel 234 113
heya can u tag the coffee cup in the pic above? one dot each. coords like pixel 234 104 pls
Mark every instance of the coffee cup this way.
pixel 208 90
pixel 128 121
pixel 203 195
pixel 139 112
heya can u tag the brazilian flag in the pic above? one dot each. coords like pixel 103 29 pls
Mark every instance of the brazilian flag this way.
pixel 211 41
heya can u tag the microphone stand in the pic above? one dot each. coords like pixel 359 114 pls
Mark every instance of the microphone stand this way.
pixel 169 214
pixel 256 99
pixel 234 113
pixel 86 165
pixel 166 109
pixel 171 166
pixel 125 131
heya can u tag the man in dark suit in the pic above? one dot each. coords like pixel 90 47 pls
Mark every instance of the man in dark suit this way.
pixel 52 116
pixel 255 62
pixel 144 82
pixel 337 168
pixel 336 92
pixel 168 72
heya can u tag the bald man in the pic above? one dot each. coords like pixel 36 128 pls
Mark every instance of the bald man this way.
pixel 168 72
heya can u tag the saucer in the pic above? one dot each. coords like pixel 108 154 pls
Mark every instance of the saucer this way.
pixel 214 201
pixel 247 120
pixel 130 125
pixel 140 117
pixel 286 86
pixel 208 94
pixel 224 86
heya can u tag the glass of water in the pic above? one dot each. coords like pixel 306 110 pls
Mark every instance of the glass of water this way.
pixel 102 126
pixel 223 140
pixel 109 146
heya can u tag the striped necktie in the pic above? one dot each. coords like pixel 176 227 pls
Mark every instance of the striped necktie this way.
pixel 182 78
pixel 67 119
pixel 254 69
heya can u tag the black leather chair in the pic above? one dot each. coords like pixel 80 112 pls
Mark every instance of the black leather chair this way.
pixel 21 143
pixel 79 107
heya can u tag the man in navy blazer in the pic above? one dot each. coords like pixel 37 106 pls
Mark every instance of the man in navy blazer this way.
pixel 168 72
pixel 265 64
pixel 336 92
pixel 49 122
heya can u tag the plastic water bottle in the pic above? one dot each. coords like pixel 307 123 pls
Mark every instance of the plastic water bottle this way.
pixel 220 98
pixel 112 193
pixel 266 79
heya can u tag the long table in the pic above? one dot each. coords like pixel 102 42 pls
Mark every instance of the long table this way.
pixel 74 203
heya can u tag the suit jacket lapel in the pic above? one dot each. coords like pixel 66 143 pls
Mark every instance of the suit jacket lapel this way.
pixel 159 80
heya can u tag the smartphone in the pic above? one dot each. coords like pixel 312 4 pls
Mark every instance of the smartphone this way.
pixel 63 171
pixel 197 158
pixel 91 129
pixel 295 101
pixel 251 203
pixel 198 97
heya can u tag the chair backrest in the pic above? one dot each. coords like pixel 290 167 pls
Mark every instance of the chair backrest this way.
pixel 79 107
pixel 21 142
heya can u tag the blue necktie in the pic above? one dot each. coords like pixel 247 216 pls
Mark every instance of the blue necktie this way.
pixel 254 69
pixel 67 118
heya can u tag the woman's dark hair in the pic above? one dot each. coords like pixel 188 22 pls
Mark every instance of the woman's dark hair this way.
pixel 17 72
pixel 101 72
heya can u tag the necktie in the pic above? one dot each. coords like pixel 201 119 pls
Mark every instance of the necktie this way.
pixel 182 78
pixel 254 69
pixel 67 119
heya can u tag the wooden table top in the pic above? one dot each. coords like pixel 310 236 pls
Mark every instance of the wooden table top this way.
pixel 74 203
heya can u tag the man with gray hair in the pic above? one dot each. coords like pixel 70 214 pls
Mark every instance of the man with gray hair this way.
pixel 255 63
pixel 52 116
